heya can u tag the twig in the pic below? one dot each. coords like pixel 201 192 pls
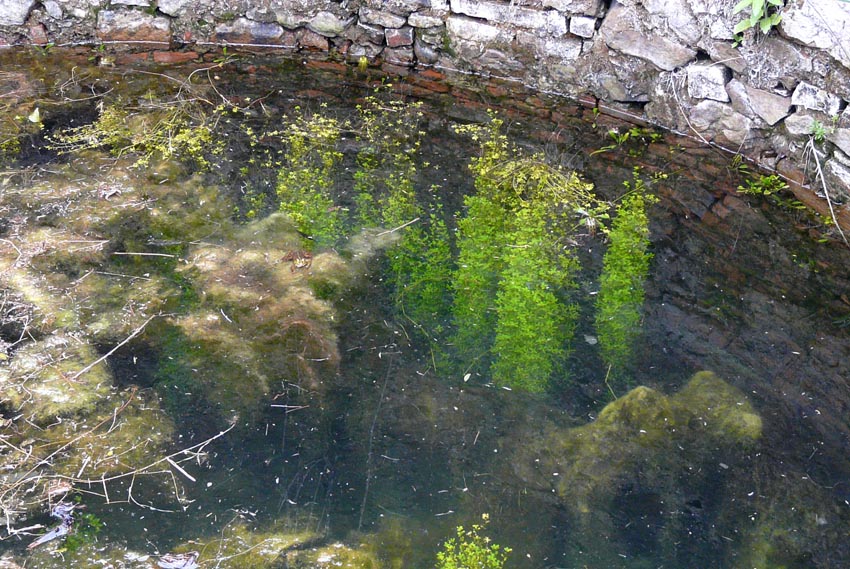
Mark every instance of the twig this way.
pixel 145 254
pixel 810 149
pixel 135 333
pixel 402 226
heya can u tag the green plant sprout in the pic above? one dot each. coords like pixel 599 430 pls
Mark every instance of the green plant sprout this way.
pixel 471 550
pixel 764 15
pixel 636 139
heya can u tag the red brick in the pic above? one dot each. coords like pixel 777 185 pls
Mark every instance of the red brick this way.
pixel 169 57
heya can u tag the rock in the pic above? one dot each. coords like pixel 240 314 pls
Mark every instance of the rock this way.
pixel 243 30
pixel 723 53
pixel 399 37
pixel 399 56
pixel 813 98
pixel 579 7
pixel 132 26
pixel 15 12
pixel 837 178
pixel 583 26
pixel 562 49
pixel 381 18
pixel 424 52
pixel 311 40
pixel 720 122
pixel 473 30
pixel 820 23
pixel 708 81
pixel 53 9
pixel 420 20
pixel 840 137
pixel 740 99
pixel 678 17
pixel 139 3
pixel 519 16
pixel 800 124
pixel 328 24
pixel 619 34
pixel 771 107
pixel 173 8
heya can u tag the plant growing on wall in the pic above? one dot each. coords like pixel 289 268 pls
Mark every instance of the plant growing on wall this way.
pixel 764 15
pixel 625 267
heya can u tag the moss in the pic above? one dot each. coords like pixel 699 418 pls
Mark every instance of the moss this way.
pixel 331 556
pixel 41 379
pixel 723 409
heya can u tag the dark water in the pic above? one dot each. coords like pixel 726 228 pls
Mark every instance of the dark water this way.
pixel 320 430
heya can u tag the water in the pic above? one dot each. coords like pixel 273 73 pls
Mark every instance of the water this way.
pixel 277 408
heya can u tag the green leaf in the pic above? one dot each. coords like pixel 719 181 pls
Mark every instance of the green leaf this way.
pixel 780 3
pixel 742 26
pixel 741 5
pixel 758 9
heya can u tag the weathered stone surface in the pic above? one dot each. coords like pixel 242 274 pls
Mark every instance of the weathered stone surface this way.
pixel 399 56
pixel 725 54
pixel 840 137
pixel 15 12
pixel 380 18
pixel 585 7
pixel 140 3
pixel 708 81
pixel 770 107
pixel 810 97
pixel 424 52
pixel 678 18
pixel 328 24
pixel 471 30
pixel 740 99
pixel 372 34
pixel 243 30
pixel 421 20
pixel 799 124
pixel 511 14
pixel 774 59
pixel 619 34
pixel 400 37
pixel 132 26
pixel 563 49
pixel 53 9
pixel 311 40
pixel 824 24
pixel 173 8
pixel 583 26
pixel 837 177
pixel 720 122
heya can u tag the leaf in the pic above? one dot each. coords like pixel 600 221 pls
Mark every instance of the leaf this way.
pixel 781 4
pixel 742 26
pixel 758 9
pixel 741 5
pixel 35 116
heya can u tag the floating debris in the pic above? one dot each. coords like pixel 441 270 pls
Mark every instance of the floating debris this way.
pixel 186 560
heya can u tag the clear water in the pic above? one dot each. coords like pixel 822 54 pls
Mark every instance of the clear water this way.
pixel 304 422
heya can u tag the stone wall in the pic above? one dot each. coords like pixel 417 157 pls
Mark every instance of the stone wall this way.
pixel 674 63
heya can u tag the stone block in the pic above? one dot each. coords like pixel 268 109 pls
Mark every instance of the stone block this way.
pixel 770 107
pixel 173 8
pixel 820 23
pixel 619 34
pixel 132 26
pixel 401 37
pixel 721 123
pixel 837 178
pixel 174 57
pixel 473 30
pixel 502 13
pixel 327 24
pixel 739 98
pixel 138 3
pixel 53 9
pixel 562 49
pixel 243 30
pixel 814 98
pixel 399 56
pixel 425 52
pixel 424 20
pixel 840 137
pixel 708 81
pixel 583 26
pixel 575 7
pixel 309 39
pixel 15 12
pixel 381 18
pixel 799 124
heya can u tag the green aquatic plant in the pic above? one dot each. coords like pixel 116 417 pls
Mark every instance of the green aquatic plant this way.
pixel 182 130
pixel 515 265
pixel 469 549
pixel 619 304
pixel 533 326
pixel 306 180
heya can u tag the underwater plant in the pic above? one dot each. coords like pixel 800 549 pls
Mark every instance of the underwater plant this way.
pixel 625 267
pixel 469 549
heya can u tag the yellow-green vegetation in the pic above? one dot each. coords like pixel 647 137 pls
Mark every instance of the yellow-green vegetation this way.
pixel 514 271
pixel 306 180
pixel 471 549
pixel 176 129
pixel 619 304
pixel 635 438
pixel 332 556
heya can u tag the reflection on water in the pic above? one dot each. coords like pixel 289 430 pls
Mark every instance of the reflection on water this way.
pixel 314 336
